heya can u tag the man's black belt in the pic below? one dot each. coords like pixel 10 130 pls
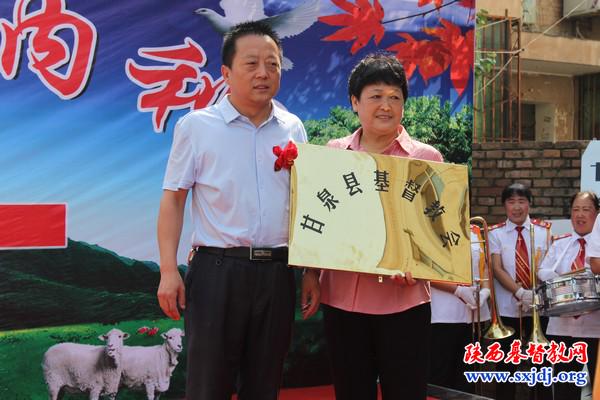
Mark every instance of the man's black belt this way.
pixel 248 253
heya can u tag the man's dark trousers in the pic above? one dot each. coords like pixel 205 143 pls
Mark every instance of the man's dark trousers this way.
pixel 238 324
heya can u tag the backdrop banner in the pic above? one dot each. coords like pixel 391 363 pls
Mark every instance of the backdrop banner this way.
pixel 90 92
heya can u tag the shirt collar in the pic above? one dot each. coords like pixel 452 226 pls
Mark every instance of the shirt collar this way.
pixel 403 139
pixel 277 111
pixel 230 113
pixel 512 226
pixel 575 236
pixel 227 110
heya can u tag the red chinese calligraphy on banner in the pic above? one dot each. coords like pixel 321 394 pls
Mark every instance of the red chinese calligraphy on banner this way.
pixel 46 51
pixel 166 86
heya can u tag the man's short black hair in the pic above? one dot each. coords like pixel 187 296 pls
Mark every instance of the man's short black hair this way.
pixel 377 68
pixel 516 189
pixel 593 196
pixel 244 29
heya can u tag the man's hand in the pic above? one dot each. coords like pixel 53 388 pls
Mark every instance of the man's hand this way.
pixel 311 293
pixel 171 293
pixel 170 220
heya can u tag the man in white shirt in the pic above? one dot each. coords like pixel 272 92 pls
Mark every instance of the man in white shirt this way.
pixel 567 255
pixel 239 293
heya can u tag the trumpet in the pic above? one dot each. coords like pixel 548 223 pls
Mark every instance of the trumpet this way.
pixel 537 334
pixel 497 330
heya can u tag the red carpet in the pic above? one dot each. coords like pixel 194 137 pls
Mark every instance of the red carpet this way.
pixel 311 393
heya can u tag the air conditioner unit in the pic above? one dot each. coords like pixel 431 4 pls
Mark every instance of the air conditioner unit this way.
pixel 579 9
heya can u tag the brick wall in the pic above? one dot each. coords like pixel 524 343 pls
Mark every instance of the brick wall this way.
pixel 551 170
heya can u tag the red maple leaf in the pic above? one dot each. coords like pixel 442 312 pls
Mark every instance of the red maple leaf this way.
pixel 438 3
pixel 361 22
pixel 460 48
pixel 429 56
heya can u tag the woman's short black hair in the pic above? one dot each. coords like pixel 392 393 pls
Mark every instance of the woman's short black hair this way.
pixel 377 68
pixel 244 29
pixel 593 196
pixel 516 189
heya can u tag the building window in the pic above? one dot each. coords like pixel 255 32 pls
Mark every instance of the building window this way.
pixel 529 12
pixel 589 106
pixel 527 121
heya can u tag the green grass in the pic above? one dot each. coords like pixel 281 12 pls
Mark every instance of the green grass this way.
pixel 21 353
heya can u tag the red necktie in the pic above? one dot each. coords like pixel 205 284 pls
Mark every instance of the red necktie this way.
pixel 579 262
pixel 522 260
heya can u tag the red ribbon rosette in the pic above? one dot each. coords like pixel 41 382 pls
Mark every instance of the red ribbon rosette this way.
pixel 285 156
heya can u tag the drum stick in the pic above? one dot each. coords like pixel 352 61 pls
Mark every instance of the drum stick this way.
pixel 559 259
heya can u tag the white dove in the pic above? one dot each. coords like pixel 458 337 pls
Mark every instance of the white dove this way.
pixel 289 23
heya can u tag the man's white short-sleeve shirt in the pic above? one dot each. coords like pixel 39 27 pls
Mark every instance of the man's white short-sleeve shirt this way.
pixel 238 199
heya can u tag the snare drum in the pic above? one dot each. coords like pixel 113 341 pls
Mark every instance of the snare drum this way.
pixel 569 296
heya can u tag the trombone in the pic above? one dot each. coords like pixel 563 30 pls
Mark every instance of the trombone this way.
pixel 496 330
pixel 537 334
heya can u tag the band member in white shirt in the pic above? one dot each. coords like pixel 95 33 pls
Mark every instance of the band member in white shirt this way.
pixel 453 312
pixel 510 245
pixel 566 256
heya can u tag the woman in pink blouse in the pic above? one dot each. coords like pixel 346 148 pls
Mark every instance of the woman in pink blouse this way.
pixel 378 330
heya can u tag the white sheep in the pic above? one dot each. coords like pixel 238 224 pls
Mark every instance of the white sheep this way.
pixel 76 368
pixel 151 367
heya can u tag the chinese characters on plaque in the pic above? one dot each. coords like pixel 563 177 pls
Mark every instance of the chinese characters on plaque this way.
pixel 379 214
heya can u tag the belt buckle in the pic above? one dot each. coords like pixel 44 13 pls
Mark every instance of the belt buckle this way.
pixel 260 254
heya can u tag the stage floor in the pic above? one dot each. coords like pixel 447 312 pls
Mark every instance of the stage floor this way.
pixel 326 393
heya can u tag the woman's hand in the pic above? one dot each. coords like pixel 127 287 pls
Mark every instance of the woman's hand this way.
pixel 404 279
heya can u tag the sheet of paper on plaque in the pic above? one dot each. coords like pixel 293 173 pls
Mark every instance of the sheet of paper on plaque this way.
pixel 371 213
